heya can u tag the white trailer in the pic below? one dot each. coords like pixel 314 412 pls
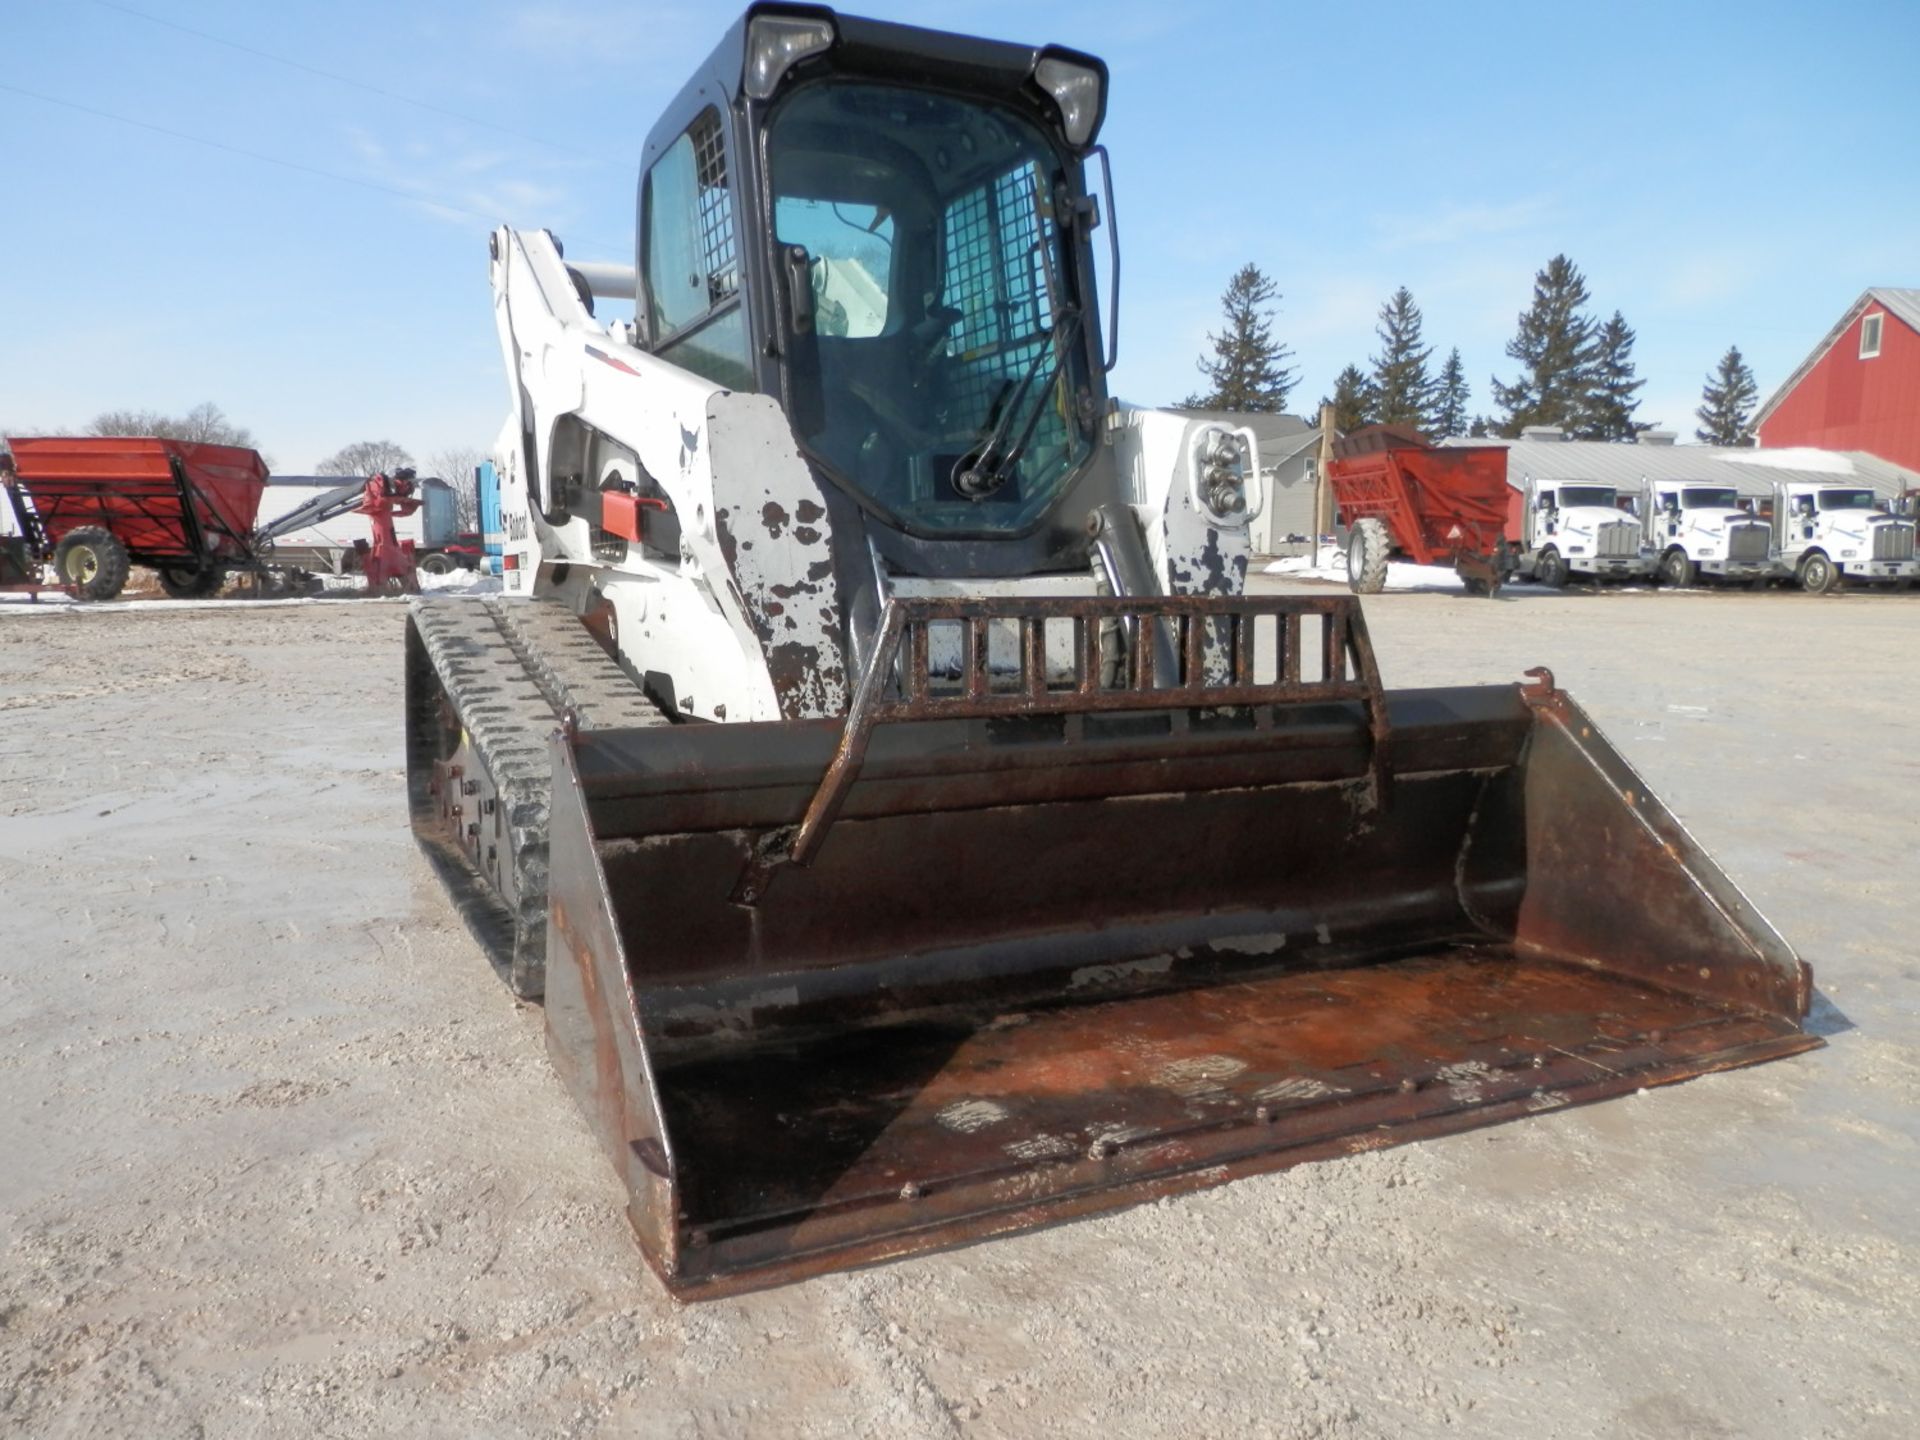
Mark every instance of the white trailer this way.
pixel 1698 527
pixel 1828 535
pixel 1574 528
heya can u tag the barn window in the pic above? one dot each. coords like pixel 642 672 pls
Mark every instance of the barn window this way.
pixel 1870 336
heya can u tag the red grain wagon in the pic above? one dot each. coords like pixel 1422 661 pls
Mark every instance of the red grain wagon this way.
pixel 1398 493
pixel 96 505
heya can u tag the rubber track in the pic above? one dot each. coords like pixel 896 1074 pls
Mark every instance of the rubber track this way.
pixel 511 668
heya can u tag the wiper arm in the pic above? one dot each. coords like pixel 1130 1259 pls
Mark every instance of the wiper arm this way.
pixel 983 470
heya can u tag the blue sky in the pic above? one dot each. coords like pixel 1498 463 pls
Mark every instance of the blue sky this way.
pixel 1722 173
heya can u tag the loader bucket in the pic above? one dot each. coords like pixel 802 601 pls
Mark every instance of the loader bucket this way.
pixel 1013 947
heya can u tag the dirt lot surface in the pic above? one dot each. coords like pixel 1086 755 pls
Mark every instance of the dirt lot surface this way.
pixel 280 1156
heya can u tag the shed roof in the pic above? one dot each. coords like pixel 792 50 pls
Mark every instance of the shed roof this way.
pixel 1904 304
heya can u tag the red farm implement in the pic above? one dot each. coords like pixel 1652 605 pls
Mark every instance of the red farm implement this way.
pixel 1399 494
pixel 96 505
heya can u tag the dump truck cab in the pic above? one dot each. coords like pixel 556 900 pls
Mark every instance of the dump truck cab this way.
pixel 1574 528
pixel 1698 527
pixel 1828 534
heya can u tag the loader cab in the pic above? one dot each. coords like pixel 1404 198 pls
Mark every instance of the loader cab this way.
pixel 887 229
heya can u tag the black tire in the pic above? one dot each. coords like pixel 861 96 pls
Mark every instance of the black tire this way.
pixel 1367 547
pixel 1551 569
pixel 187 584
pixel 1818 574
pixel 1476 587
pixel 436 564
pixel 94 561
pixel 1677 570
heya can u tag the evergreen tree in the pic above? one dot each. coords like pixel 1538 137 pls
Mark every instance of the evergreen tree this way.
pixel 1247 370
pixel 1480 429
pixel 1727 401
pixel 1555 345
pixel 1610 409
pixel 1353 400
pixel 1450 397
pixel 1403 392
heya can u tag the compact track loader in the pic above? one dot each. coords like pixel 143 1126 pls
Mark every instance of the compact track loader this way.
pixel 914 828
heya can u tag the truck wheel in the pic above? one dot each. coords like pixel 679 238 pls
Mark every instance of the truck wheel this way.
pixel 436 564
pixel 93 559
pixel 187 584
pixel 1551 569
pixel 1818 574
pixel 1676 569
pixel 1367 546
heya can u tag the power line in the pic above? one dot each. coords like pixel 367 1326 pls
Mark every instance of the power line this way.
pixel 371 89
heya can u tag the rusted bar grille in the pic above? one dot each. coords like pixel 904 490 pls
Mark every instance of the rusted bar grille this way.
pixel 896 687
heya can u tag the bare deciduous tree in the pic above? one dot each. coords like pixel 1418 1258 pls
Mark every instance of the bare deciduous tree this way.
pixel 205 424
pixel 365 457
pixel 455 464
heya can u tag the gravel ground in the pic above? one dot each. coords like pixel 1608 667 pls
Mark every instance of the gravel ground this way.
pixel 281 1157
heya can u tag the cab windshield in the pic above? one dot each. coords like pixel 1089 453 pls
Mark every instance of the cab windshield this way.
pixel 1849 500
pixel 1602 496
pixel 1709 497
pixel 946 344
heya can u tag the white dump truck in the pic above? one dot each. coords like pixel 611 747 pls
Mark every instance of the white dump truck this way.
pixel 1697 527
pixel 1574 528
pixel 1828 535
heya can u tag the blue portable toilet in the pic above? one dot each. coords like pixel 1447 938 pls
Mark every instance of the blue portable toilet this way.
pixel 493 528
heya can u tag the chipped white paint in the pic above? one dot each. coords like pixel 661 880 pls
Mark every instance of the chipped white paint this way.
pixel 771 520
pixel 1323 933
pixel 1251 944
pixel 1192 553
pixel 1198 1076
pixel 1466 1080
pixel 968 1116
pixel 1040 1147
pixel 1546 1100
pixel 1117 973
pixel 736 1017
pixel 700 446
pixel 1297 1088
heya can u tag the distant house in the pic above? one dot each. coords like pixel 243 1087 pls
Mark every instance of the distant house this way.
pixel 1860 388
pixel 1289 449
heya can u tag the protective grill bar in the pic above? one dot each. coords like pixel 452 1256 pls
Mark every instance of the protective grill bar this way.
pixel 897 687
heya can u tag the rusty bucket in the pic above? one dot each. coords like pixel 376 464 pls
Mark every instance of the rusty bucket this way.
pixel 1020 942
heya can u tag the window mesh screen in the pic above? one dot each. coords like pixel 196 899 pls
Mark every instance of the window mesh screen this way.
pixel 716 212
pixel 996 278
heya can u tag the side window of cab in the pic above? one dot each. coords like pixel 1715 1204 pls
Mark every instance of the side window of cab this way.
pixel 690 259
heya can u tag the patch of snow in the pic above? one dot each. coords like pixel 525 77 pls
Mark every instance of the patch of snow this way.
pixel 1798 457
pixel 1401 575
pixel 465 582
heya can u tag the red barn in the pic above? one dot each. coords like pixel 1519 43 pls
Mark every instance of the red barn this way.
pixel 1860 388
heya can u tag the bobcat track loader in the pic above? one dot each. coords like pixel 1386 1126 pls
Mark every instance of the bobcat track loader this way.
pixel 915 829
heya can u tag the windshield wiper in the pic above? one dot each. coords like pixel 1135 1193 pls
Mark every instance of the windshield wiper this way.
pixel 984 469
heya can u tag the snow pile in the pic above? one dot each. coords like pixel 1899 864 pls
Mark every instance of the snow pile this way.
pixel 1401 575
pixel 460 582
